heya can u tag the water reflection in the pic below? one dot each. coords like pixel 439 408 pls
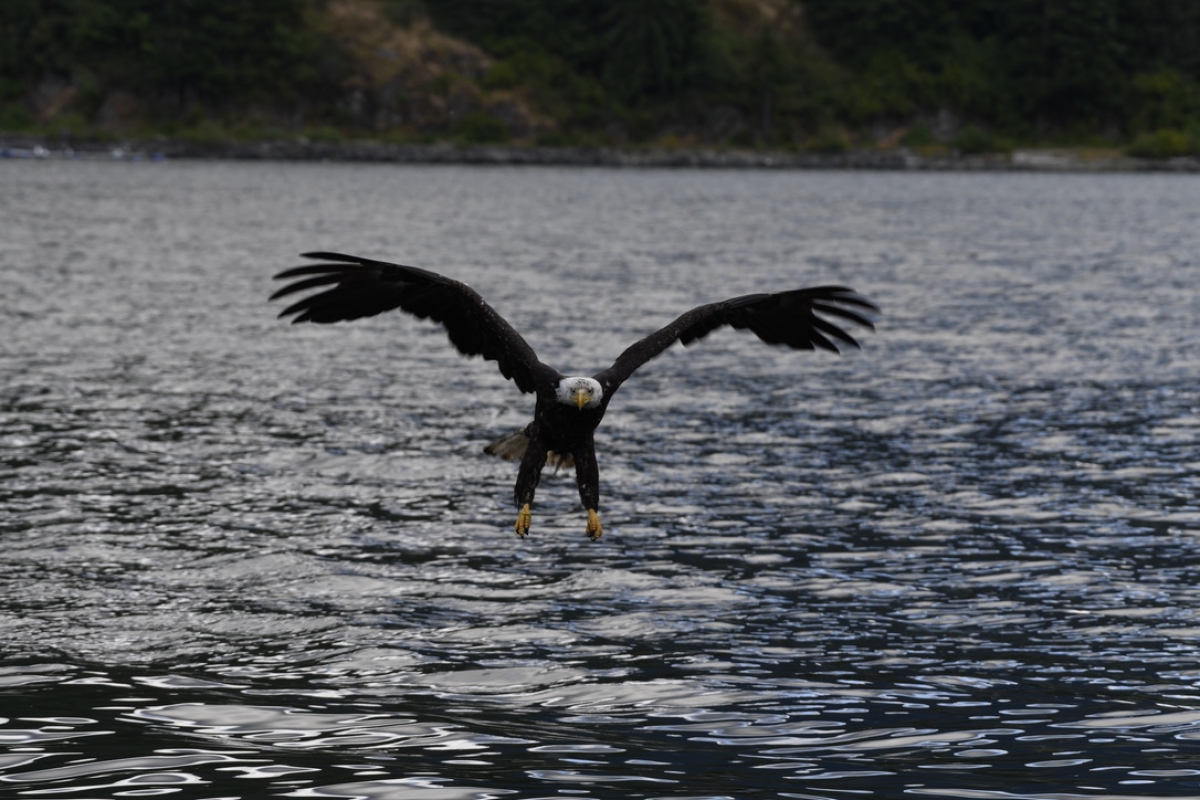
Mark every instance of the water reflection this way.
pixel 834 732
pixel 244 559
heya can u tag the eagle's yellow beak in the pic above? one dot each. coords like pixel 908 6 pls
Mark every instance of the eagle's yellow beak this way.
pixel 581 398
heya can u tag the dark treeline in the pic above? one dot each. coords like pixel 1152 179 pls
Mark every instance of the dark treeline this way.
pixel 180 53
pixel 818 74
pixel 1030 67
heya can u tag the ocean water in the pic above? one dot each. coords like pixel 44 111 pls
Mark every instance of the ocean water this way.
pixel 245 559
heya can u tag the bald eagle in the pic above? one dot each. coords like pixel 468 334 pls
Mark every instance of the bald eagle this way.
pixel 569 407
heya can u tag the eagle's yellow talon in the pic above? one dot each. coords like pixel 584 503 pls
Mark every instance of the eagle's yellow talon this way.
pixel 524 518
pixel 594 529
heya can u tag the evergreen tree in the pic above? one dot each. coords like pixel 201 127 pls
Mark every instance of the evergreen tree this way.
pixel 652 46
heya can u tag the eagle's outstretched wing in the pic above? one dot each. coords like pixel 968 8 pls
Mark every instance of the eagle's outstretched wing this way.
pixel 784 318
pixel 359 287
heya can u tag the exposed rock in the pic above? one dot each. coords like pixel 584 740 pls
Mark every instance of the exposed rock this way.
pixel 50 96
pixel 120 111
pixel 414 77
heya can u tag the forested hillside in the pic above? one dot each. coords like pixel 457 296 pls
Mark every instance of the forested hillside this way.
pixel 819 74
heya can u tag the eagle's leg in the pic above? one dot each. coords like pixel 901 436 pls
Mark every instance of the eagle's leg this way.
pixel 587 476
pixel 528 477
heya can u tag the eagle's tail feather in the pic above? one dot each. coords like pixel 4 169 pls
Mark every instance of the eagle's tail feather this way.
pixel 512 448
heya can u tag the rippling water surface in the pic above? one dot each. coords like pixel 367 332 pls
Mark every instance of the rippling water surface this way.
pixel 246 559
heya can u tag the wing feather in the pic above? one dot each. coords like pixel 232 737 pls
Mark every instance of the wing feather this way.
pixel 784 318
pixel 359 287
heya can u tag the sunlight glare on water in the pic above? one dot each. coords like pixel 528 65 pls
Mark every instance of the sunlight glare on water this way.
pixel 248 559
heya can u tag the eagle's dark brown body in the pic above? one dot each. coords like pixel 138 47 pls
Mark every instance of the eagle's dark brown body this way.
pixel 567 431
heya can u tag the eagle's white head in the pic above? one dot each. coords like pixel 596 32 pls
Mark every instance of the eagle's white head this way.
pixel 580 392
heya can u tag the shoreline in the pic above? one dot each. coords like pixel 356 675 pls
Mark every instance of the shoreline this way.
pixel 1021 160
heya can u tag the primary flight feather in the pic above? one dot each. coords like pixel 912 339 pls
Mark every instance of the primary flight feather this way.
pixel 568 408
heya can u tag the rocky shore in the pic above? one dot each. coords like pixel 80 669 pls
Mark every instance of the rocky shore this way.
pixel 1032 160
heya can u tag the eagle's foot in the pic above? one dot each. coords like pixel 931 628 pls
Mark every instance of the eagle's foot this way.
pixel 594 529
pixel 524 518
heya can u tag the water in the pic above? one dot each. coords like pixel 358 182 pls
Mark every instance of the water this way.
pixel 245 559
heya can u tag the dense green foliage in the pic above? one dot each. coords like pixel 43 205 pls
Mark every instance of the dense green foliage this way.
pixel 1026 66
pixel 181 55
pixel 823 74
pixel 1078 71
